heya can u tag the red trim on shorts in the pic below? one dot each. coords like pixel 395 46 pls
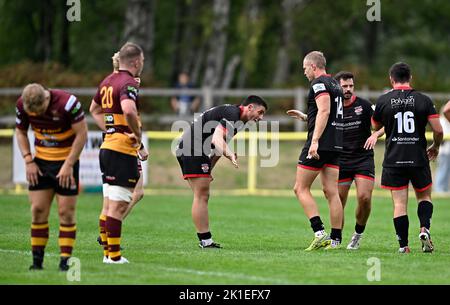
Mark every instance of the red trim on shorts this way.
pixel 345 180
pixel 424 188
pixel 375 122
pixel 197 176
pixel 332 166
pixel 323 93
pixel 364 177
pixel 394 188
pixel 433 116
pixel 309 167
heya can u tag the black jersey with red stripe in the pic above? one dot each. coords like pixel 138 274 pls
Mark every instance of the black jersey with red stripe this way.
pixel 196 141
pixel 331 139
pixel 357 128
pixel 404 113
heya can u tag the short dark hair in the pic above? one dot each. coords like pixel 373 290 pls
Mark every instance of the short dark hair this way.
pixel 400 72
pixel 129 51
pixel 254 99
pixel 344 75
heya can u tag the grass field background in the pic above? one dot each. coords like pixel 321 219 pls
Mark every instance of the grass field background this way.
pixel 263 240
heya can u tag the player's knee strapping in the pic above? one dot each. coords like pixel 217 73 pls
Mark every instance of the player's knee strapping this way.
pixel 119 193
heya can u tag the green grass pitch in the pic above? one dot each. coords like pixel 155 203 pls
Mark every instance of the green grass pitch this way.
pixel 263 240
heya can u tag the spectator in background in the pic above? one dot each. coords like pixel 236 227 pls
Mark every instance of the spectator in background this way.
pixel 184 104
pixel 443 168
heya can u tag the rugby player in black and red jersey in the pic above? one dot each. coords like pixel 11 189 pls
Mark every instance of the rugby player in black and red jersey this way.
pixel 201 146
pixel 356 161
pixel 60 131
pixel 320 154
pixel 405 113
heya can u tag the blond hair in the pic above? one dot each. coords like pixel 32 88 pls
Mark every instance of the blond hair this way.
pixel 115 61
pixel 129 52
pixel 33 98
pixel 317 58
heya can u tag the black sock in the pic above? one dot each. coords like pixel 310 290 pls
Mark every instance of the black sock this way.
pixel 336 234
pixel 316 224
pixel 425 212
pixel 38 258
pixel 203 236
pixel 359 229
pixel 401 225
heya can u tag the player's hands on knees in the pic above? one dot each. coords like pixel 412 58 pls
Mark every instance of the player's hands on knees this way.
pixel 65 176
pixel 370 142
pixel 297 114
pixel 32 173
pixel 233 159
pixel 432 152
pixel 312 152
pixel 143 154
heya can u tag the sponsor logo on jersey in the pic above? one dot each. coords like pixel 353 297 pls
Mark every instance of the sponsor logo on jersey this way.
pixel 399 102
pixel 358 110
pixel 76 108
pixel 205 167
pixel 319 87
pixel 109 119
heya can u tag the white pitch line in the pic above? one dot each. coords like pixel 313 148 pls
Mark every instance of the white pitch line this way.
pixel 266 280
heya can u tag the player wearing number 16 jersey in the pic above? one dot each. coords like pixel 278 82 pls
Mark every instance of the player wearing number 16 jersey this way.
pixel 405 113
pixel 321 152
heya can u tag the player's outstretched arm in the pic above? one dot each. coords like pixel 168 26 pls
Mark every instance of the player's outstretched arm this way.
pixel 297 114
pixel 221 146
pixel 372 140
pixel 447 111
pixel 438 135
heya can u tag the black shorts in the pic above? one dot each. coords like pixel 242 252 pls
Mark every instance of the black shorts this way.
pixel 327 159
pixel 398 178
pixel 363 170
pixel 195 167
pixel 118 168
pixel 48 180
